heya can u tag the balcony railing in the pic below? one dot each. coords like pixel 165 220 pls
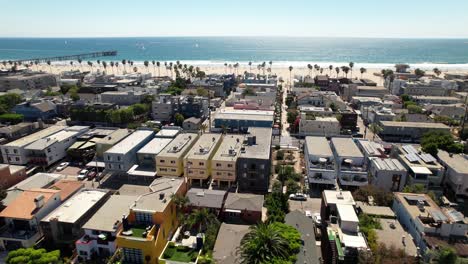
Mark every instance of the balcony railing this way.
pixel 9 232
pixel 139 232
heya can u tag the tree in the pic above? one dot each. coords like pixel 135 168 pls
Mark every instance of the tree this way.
pixel 330 68
pixel 443 140
pixel 201 218
pixel 290 74
pixel 337 69
pixel 203 127
pixel 381 197
pixel 11 118
pixel 376 129
pixel 309 66
pixel 292 186
pixel 437 72
pixel 414 109
pixel 33 256
pixel 362 70
pixel 181 203
pixel 179 119
pixel 419 73
pixel 414 188
pixel 203 92
pixel 292 116
pixel 351 65
pixel 447 255
pixel 146 63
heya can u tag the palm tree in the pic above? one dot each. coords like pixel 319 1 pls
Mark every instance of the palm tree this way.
pixel 124 62
pixel 117 66
pixel 262 244
pixel 330 68
pixel 99 63
pixel 146 63
pixel 112 66
pixel 337 69
pixel 263 67
pixel 345 70
pixel 90 64
pixel 271 64
pixel 290 75
pixel 203 127
pixel 201 218
pixel 362 70
pixel 49 63
pixel 158 64
pixel 80 61
pixel 154 66
pixel 250 66
pixel 376 129
pixel 351 65
pixel 309 66
pixel 437 71
pixel 104 64
pixel 225 67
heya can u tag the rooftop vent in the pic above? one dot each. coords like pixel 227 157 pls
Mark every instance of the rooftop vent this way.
pixel 39 201
pixel 161 196
pixel 200 194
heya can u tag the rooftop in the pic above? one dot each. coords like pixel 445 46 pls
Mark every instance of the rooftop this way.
pixel 171 133
pixel 412 202
pixel 76 207
pixel 372 148
pixel 24 206
pixel 387 164
pixel 130 142
pixel 204 147
pixel 179 145
pixel 456 162
pixel 206 198
pixel 110 213
pixel 393 234
pixel 245 115
pixel 67 188
pixel 262 148
pixel 345 147
pixel 244 201
pixel 229 149
pixel 318 146
pixel 113 137
pixel 379 211
pixel 155 146
pixel 35 136
pixel 347 212
pixel 62 135
pixel 159 196
pixel 38 180
pixel 413 124
pixel 338 197
pixel 227 243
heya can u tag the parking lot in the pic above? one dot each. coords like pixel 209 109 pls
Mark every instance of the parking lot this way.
pixel 312 204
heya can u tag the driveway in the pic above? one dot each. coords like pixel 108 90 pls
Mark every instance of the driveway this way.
pixel 312 204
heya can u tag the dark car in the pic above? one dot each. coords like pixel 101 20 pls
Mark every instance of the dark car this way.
pixel 91 175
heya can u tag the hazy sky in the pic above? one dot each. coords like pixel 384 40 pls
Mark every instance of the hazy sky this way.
pixel 339 18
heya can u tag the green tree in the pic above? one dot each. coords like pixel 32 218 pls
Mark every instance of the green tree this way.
pixel 443 140
pixel 292 116
pixel 292 186
pixel 180 203
pixel 414 188
pixel 33 256
pixel 202 92
pixel 414 109
pixel 419 73
pixel 376 129
pixel 179 119
pixel 447 255
pixel 362 71
pixel 11 118
pixel 201 218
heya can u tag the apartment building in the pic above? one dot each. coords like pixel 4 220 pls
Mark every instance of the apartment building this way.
pixel 351 166
pixel 104 144
pixel 100 231
pixel 162 108
pixel 63 226
pixel 408 131
pixel 243 208
pixel 198 161
pixel 46 151
pixel 342 240
pixel 444 100
pixel 11 175
pixel 170 161
pixel 242 120
pixel 372 149
pixel 224 162
pixel 189 106
pixel 28 81
pixel 320 162
pixel 15 152
pixel 150 222
pixel 147 154
pixel 430 225
pixel 123 155
pixel 311 125
pixel 122 97
pixel 456 172
pixel 34 110
pixel 387 174
pixel 36 181
pixel 254 162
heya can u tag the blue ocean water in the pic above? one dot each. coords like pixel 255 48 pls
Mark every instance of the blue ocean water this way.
pixel 280 50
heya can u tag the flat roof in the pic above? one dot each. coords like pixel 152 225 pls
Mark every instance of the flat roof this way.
pixel 318 146
pixel 413 209
pixel 392 234
pixel 233 142
pixel 427 97
pixel 62 135
pixel 242 201
pixel 164 188
pixel 347 212
pixel 338 197
pixel 113 137
pixel 456 162
pixel 110 213
pixel 379 211
pixel 67 187
pixel 372 148
pixel 387 164
pixel 421 170
pixel 130 142
pixel 172 133
pixel 35 136
pixel 262 149
pixel 76 207
pixel 204 147
pixel 155 146
pixel 413 124
pixel 179 145
pixel 245 115
pixel 227 242
pixel 345 147
pixel 206 198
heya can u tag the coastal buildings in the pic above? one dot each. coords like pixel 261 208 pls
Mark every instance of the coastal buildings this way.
pixel 254 162
pixel 164 108
pixel 198 164
pixel 15 152
pixel 34 110
pixel 243 208
pixel 387 174
pixel 456 172
pixel 311 125
pixel 213 200
pixel 11 175
pixel 351 167
pixel 241 120
pixel 192 124
pixel 320 162
pixel 104 144
pixel 122 155
pixel 147 154
pixel 48 150
pixel 227 243
pixel 408 131
pixel 224 162
pixel 150 222
pixel 28 81
pixel 169 162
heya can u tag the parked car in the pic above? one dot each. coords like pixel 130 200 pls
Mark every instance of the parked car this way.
pixel 91 175
pixel 317 219
pixel 298 197
pixel 82 175
pixel 62 166
pixel 308 214
pixel 99 176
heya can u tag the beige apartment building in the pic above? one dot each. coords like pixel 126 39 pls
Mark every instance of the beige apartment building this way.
pixel 198 160
pixel 225 159
pixel 170 161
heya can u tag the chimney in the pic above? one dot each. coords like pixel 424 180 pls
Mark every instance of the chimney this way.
pixel 39 201
pixel 161 196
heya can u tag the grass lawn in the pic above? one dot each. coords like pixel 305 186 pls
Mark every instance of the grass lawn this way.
pixel 180 254
pixel 138 231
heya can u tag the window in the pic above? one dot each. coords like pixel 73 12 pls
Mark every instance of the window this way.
pixel 120 167
pixel 201 163
pixel 162 169
pixel 218 164
pixel 202 172
pixel 118 158
pixel 229 165
pixel 229 174
pixel 262 166
pixel 17 159
pixel 133 255
pixel 172 161
pixel 48 150
pixel 173 170
pixel 110 166
pixel 143 218
pixel 108 158
pixel 95 232
pixel 218 173
pixel 162 161
pixel 15 151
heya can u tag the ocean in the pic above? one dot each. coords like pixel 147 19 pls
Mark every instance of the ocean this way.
pixel 283 51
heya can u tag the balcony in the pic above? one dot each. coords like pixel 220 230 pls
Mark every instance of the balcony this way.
pixel 328 177
pixel 354 179
pixel 139 232
pixel 27 237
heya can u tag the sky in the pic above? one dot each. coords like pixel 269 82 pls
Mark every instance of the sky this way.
pixel 339 18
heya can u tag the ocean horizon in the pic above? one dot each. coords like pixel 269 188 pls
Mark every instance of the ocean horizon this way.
pixel 282 51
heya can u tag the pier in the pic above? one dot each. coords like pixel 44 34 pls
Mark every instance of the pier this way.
pixel 71 57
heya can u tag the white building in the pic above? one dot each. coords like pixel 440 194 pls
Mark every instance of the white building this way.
pixel 15 152
pixel 122 98
pixel 456 172
pixel 48 150
pixel 122 156
pixel 320 161
pixel 311 125
pixel 350 160
pixel 387 174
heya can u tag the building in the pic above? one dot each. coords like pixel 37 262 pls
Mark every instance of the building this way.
pixel 63 226
pixel 376 114
pixel 84 149
pixel 15 152
pixel 429 225
pixel 28 81
pixel 197 162
pixel 46 151
pixel 320 162
pixel 311 125
pixel 387 174
pixel 123 155
pixel 243 208
pixel 147 154
pixel 351 166
pixel 241 120
pixel 11 175
pixel 227 243
pixel 32 111
pixel 170 161
pixel 162 109
pixel 422 168
pixel 372 149
pixel 168 132
pixel 104 144
pixel 192 124
pixel 308 252
pixel 213 200
pixel 341 240
pixel 408 131
pixel 19 130
pixel 454 111
pixel 456 172
pixel 122 97
pixel 224 162
pixel 436 100
pixel 167 106
pixel 100 231
pixel 254 162
pixel 150 222
pixel 350 90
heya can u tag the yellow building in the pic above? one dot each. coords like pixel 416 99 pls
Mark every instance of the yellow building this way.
pixel 151 222
pixel 170 161
pixel 198 160
pixel 225 159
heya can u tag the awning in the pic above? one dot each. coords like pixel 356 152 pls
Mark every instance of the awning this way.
pixel 137 170
pixel 98 164
pixel 232 211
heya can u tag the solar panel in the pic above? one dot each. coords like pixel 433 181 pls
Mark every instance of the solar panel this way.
pixel 428 158
pixel 412 157
pixel 409 149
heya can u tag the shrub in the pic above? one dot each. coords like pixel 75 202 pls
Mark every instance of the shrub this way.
pixel 279 155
